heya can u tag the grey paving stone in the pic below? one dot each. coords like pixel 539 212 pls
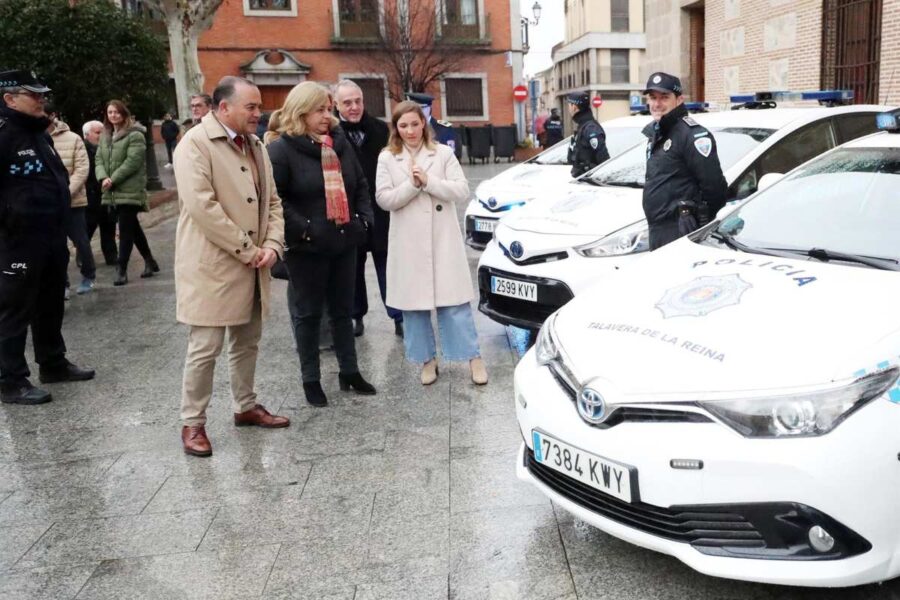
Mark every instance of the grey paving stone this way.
pixel 525 587
pixel 76 542
pixel 433 588
pixel 408 537
pixel 16 540
pixel 65 472
pixel 236 573
pixel 351 475
pixel 487 480
pixel 47 583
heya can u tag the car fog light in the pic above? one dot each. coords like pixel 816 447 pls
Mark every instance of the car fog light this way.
pixel 794 417
pixel 820 540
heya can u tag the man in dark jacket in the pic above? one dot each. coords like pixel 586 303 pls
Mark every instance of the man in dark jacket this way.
pixel 553 129
pixel 34 208
pixel 169 131
pixel 98 215
pixel 368 136
pixel 684 185
pixel 588 146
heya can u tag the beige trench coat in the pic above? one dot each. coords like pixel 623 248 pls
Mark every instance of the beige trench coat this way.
pixel 224 220
pixel 426 265
pixel 72 152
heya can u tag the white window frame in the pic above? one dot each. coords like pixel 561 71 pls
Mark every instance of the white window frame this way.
pixel 482 18
pixel 486 111
pixel 382 76
pixel 336 16
pixel 254 12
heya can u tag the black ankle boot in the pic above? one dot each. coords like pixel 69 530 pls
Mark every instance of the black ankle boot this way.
pixel 121 276
pixel 314 393
pixel 150 267
pixel 356 382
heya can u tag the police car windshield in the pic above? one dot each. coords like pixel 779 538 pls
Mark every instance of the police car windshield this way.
pixel 629 169
pixel 843 203
pixel 618 140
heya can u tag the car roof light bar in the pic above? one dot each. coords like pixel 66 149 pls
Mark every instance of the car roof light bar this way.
pixel 769 99
pixel 888 121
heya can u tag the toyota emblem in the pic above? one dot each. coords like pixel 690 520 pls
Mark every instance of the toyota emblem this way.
pixel 591 406
pixel 492 202
pixel 516 250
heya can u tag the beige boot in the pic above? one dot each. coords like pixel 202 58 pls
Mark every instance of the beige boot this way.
pixel 430 372
pixel 479 373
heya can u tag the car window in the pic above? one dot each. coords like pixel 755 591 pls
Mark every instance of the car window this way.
pixel 785 155
pixel 618 140
pixel 854 125
pixel 554 155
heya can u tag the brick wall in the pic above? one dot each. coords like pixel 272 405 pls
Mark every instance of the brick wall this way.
pixel 235 39
pixel 758 45
pixel 889 79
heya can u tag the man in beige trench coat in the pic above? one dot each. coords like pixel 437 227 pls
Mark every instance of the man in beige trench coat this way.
pixel 229 232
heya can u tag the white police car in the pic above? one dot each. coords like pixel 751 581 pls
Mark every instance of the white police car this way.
pixel 544 254
pixel 548 170
pixel 736 403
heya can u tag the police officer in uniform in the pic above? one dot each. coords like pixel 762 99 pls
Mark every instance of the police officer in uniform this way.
pixel 588 146
pixel 34 208
pixel 684 186
pixel 443 130
pixel 553 129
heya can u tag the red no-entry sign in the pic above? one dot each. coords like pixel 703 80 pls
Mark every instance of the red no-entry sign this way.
pixel 596 101
pixel 520 93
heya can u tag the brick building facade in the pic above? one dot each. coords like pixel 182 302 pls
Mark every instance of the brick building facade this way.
pixel 279 43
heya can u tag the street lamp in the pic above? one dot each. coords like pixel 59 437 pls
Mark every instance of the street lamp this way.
pixel 536 10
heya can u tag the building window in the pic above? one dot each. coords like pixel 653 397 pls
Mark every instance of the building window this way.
pixel 851 44
pixel 620 71
pixel 359 18
pixel 619 9
pixel 460 12
pixel 465 97
pixel 373 94
pixel 270 8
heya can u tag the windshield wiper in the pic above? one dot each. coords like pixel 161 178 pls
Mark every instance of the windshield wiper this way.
pixel 628 184
pixel 732 243
pixel 888 264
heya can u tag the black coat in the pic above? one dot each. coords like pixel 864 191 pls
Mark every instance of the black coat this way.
pixel 34 183
pixel 169 130
pixel 683 172
pixel 375 139
pixel 588 146
pixel 553 131
pixel 297 168
pixel 92 186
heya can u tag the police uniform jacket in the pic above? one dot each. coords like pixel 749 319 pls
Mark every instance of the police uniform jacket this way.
pixel 426 264
pixel 376 138
pixel 297 168
pixel 445 134
pixel 553 131
pixel 682 170
pixel 588 146
pixel 229 210
pixel 34 184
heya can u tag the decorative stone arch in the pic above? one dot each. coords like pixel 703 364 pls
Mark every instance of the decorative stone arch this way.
pixel 275 71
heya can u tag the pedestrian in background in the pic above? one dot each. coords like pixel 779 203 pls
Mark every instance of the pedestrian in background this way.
pixel 122 173
pixel 200 105
pixel 553 129
pixel 230 231
pixel 368 137
pixel 96 215
pixel 419 182
pixel 169 130
pixel 684 187
pixel 327 217
pixel 73 153
pixel 34 207
pixel 587 149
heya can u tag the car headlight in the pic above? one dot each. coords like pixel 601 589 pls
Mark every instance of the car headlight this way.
pixel 628 240
pixel 798 415
pixel 545 348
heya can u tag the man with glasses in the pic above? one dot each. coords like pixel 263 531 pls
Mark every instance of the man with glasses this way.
pixel 34 210
pixel 200 105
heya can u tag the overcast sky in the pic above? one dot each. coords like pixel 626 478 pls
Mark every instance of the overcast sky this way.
pixel 543 36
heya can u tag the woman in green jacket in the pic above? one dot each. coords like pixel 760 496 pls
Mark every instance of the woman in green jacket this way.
pixel 122 173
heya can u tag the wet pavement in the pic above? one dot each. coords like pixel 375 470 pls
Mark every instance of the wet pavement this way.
pixel 410 494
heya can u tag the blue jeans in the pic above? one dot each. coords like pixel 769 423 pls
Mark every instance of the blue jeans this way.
pixel 459 341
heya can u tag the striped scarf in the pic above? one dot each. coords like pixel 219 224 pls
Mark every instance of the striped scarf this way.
pixel 336 206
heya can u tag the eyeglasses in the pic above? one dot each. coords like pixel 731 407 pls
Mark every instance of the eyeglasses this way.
pixel 33 95
pixel 197 105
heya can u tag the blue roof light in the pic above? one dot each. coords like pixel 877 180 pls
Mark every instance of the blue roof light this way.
pixel 826 97
pixel 888 121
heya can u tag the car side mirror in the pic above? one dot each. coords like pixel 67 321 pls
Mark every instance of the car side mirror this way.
pixel 768 180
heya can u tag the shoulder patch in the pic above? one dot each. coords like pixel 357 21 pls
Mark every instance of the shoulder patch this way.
pixel 703 146
pixel 594 142
pixel 690 121
pixel 444 123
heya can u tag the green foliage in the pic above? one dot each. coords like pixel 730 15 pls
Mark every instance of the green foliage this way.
pixel 87 54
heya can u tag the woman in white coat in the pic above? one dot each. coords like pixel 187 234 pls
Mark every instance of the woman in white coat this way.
pixel 419 181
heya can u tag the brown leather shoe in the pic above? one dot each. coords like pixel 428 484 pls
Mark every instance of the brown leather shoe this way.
pixel 260 417
pixel 194 440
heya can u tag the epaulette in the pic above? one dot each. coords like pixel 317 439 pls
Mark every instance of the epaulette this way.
pixel 444 123
pixel 690 121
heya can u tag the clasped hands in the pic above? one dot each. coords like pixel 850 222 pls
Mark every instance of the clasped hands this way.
pixel 419 177
pixel 265 258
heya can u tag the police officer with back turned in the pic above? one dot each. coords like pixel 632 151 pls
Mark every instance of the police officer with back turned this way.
pixel 34 207
pixel 587 149
pixel 443 130
pixel 684 186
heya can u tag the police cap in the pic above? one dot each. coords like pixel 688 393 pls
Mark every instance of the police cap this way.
pixel 580 99
pixel 663 82
pixel 23 79
pixel 420 99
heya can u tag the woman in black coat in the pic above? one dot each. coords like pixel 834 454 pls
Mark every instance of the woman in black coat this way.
pixel 327 215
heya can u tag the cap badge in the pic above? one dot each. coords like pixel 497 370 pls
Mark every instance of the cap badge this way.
pixel 657 79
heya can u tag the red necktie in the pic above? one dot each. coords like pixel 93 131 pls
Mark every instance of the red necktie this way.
pixel 239 140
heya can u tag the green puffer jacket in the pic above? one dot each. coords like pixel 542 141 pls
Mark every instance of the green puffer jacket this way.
pixel 122 158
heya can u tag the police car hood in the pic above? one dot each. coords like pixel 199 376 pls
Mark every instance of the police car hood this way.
pixel 692 321
pixel 580 209
pixel 522 183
